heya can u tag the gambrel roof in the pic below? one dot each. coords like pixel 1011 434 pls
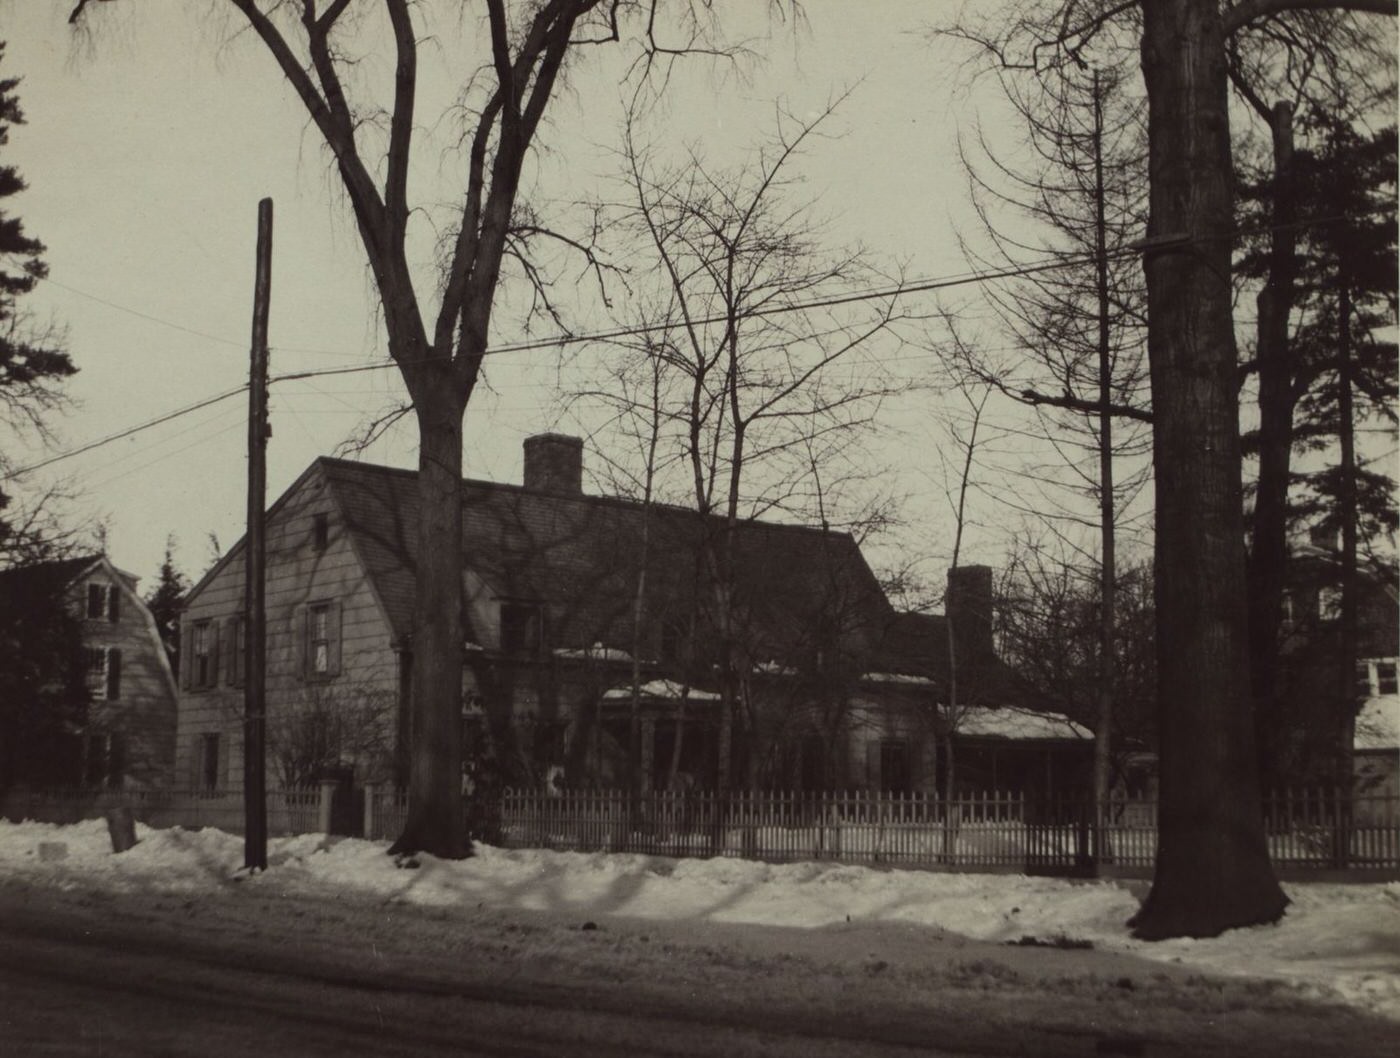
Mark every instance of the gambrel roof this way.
pixel 579 553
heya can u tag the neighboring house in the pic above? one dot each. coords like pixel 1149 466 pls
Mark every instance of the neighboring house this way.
pixel 1317 705
pixel 549 593
pixel 1376 744
pixel 999 739
pixel 123 733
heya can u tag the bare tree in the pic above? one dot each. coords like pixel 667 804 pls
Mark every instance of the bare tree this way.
pixel 760 356
pixel 1078 330
pixel 1213 870
pixel 508 81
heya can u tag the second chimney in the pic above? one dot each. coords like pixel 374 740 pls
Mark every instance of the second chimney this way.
pixel 554 463
pixel 969 607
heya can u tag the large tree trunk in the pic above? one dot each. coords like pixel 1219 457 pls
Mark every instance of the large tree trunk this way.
pixel 1269 540
pixel 1213 871
pixel 435 822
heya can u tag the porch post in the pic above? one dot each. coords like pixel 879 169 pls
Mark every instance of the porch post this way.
pixel 648 753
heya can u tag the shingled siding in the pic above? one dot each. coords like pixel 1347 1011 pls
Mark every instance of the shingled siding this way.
pixel 141 714
pixel 304 571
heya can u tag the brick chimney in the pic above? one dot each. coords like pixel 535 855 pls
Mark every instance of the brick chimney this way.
pixel 969 606
pixel 554 463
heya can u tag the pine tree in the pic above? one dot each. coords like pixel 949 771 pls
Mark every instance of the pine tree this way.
pixel 1345 342
pixel 165 602
pixel 32 360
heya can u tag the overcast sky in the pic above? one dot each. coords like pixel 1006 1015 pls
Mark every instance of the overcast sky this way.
pixel 147 153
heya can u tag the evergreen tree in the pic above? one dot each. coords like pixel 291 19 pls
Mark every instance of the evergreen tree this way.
pixel 1345 341
pixel 165 602
pixel 32 360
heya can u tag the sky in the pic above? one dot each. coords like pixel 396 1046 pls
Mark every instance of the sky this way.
pixel 148 148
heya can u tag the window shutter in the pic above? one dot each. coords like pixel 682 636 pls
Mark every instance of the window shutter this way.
pixel 114 603
pixel 223 777
pixel 215 635
pixel 95 598
pixel 333 632
pixel 186 654
pixel 301 637
pixel 231 649
pixel 114 674
pixel 196 760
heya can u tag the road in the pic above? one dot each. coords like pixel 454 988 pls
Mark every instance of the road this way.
pixel 113 990
pixel 115 975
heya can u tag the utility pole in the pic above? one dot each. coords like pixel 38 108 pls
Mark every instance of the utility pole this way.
pixel 255 623
pixel 1103 726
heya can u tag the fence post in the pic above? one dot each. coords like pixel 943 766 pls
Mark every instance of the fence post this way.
pixel 371 809
pixel 324 815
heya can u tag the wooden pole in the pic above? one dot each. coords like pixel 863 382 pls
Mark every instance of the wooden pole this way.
pixel 1103 725
pixel 255 624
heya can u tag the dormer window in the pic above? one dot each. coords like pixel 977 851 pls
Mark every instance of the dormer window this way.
pixel 522 628
pixel 103 601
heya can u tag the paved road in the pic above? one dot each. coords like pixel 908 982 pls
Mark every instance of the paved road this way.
pixel 88 973
pixel 112 990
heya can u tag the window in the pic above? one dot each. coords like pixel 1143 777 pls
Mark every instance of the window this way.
pixel 103 601
pixel 204 663
pixel 104 673
pixel 521 628
pixel 320 531
pixel 1386 679
pixel 207 762
pixel 97 672
pixel 894 765
pixel 1329 603
pixel 672 640
pixel 319 634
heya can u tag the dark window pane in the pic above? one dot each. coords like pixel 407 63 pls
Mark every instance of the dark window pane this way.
pixel 1386 679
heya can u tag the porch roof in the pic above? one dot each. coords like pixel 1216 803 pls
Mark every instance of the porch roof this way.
pixel 1010 724
pixel 663 690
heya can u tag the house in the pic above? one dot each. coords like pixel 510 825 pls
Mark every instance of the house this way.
pixel 994 736
pixel 114 687
pixel 1376 741
pixel 553 652
pixel 1319 712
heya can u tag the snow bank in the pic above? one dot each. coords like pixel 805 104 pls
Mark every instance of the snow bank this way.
pixel 1336 940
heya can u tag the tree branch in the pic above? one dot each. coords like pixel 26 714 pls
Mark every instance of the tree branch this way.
pixel 1237 16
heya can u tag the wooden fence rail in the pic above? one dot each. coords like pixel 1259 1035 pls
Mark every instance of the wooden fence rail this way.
pixel 1307 830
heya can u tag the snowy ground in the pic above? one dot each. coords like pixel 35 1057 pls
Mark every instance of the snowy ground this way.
pixel 1337 942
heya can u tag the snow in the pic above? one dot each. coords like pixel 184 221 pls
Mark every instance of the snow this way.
pixel 668 689
pixel 1378 723
pixel 897 677
pixel 1340 942
pixel 1018 724
pixel 597 652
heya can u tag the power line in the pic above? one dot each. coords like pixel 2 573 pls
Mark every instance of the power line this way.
pixel 129 431
pixel 142 315
pixel 558 341
pixel 180 326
